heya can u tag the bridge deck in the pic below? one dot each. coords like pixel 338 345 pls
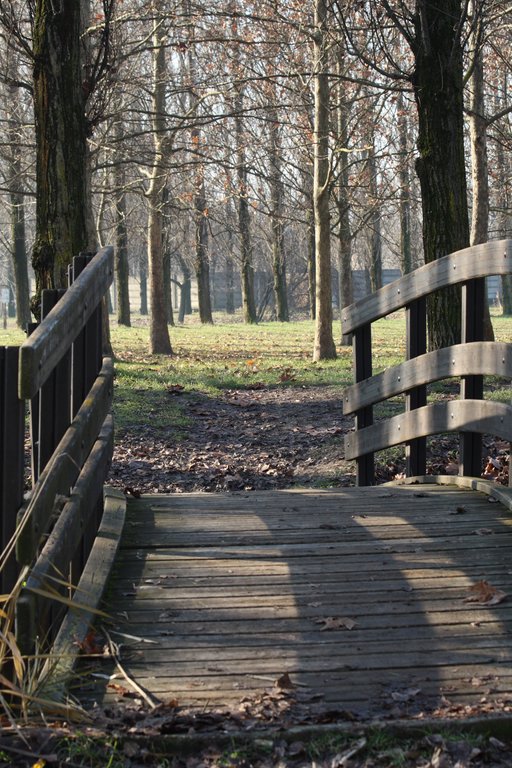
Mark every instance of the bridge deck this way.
pixel 359 594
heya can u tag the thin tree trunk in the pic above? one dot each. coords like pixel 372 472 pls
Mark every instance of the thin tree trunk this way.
pixel 324 347
pixel 160 342
pixel 276 215
pixel 244 224
pixel 504 205
pixel 18 230
pixel 375 266
pixel 405 187
pixel 121 251
pixel 478 140
pixel 345 283
pixel 202 261
pixel 143 292
pixel 169 313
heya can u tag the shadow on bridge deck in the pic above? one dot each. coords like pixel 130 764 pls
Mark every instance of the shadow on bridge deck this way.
pixel 359 594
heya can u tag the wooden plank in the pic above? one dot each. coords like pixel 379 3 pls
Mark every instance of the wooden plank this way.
pixel 63 469
pixel 53 337
pixel 362 348
pixel 222 621
pixel 50 574
pixel 87 597
pixel 485 417
pixel 472 387
pixel 485 358
pixel 492 258
pixel 416 346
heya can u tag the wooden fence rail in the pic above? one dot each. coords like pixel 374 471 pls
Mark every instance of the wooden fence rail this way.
pixel 60 371
pixel 470 360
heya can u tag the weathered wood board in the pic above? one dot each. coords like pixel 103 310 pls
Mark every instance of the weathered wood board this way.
pixel 215 596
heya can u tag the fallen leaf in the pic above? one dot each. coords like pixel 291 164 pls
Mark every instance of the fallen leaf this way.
pixel 482 532
pixel 484 593
pixel 284 682
pixel 335 622
pixel 458 511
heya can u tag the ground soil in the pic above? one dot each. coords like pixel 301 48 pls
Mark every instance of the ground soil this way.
pixel 245 439
pixel 263 438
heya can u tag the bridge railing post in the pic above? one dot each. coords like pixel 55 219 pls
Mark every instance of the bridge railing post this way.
pixel 12 439
pixel 416 345
pixel 472 387
pixel 362 349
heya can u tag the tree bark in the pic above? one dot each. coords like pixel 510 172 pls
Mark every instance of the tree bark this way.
pixel 375 238
pixel 276 217
pixel 160 342
pixel 17 214
pixel 405 188
pixel 345 283
pixel 310 244
pixel 324 347
pixel 202 260
pixel 246 266
pixel 438 89
pixel 478 140
pixel 121 251
pixel 59 111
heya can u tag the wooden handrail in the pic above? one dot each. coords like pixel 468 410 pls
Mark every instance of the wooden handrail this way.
pixel 471 416
pixel 482 416
pixel 48 344
pixel 493 258
pixel 70 393
pixel 476 357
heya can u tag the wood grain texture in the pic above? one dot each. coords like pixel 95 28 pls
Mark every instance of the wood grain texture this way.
pixel 487 358
pixel 482 416
pixel 46 346
pixel 87 598
pixel 214 596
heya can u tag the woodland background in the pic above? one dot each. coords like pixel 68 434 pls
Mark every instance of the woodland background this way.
pixel 276 146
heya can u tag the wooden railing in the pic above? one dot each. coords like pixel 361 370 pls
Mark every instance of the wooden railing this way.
pixel 69 386
pixel 471 360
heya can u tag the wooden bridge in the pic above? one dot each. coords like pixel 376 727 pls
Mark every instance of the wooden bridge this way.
pixel 389 601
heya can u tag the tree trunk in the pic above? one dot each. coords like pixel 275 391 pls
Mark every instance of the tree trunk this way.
pixel 19 254
pixel 160 342
pixel 438 90
pixel 478 140
pixel 345 283
pixel 59 111
pixel 18 231
pixel 406 264
pixel 246 266
pixel 324 348
pixel 169 313
pixel 202 263
pixel 375 244
pixel 121 252
pixel 143 293
pixel 230 286
pixel 276 217
pixel 504 172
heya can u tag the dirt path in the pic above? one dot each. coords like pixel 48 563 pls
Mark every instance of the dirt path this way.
pixel 245 439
